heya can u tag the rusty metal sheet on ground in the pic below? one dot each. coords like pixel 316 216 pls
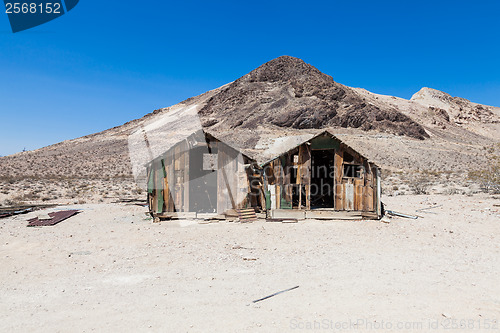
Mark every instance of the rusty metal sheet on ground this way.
pixel 56 217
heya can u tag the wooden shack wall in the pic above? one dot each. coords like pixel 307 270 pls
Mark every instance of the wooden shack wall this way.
pixel 232 179
pixel 170 174
pixel 350 193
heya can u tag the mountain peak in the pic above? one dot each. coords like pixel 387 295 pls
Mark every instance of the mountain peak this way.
pixel 427 92
pixel 284 68
pixel 288 93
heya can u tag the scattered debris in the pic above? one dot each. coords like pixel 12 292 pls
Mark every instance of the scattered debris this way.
pixel 43 216
pixel 16 212
pixel 283 220
pixel 279 292
pixel 132 201
pixel 385 219
pixel 425 210
pixel 238 247
pixel 56 217
pixel 393 213
pixel 11 211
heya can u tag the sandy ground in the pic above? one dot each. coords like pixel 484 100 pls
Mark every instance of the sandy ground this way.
pixel 109 269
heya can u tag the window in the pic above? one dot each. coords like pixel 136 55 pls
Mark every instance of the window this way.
pixel 353 171
pixel 348 158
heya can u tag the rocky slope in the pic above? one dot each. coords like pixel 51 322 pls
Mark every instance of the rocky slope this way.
pixel 286 96
pixel 288 93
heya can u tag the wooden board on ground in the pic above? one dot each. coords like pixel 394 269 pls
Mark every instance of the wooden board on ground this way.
pixel 210 216
pixel 287 214
pixel 333 215
pixel 177 215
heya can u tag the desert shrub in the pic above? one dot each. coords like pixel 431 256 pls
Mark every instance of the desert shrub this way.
pixel 420 186
pixel 488 178
pixel 14 202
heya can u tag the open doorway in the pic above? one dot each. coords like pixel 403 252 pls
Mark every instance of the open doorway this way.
pixel 322 178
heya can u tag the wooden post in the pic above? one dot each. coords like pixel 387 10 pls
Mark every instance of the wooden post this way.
pixel 379 194
pixel 308 197
pixel 300 196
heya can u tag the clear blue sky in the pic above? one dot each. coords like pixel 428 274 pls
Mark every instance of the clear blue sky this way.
pixel 107 62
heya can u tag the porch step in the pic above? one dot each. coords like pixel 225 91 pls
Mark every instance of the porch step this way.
pixel 246 214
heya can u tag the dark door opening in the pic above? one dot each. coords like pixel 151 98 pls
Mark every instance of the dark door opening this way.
pixel 202 180
pixel 322 178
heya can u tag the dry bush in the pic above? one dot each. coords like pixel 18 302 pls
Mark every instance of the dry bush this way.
pixel 420 185
pixel 489 177
pixel 15 201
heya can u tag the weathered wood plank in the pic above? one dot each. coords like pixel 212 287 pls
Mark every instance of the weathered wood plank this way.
pixel 333 215
pixel 339 189
pixel 308 197
pixel 186 178
pixel 358 194
pixel 177 215
pixel 349 196
pixel 288 213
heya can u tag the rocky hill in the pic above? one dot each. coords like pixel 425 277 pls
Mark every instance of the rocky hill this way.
pixel 289 93
pixel 285 96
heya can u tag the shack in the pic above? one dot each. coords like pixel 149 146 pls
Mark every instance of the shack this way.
pixel 321 177
pixel 200 175
pixel 306 175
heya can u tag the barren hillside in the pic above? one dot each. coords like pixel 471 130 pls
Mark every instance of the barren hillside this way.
pixel 284 97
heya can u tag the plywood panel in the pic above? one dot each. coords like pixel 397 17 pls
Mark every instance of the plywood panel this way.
pixel 272 191
pixel 308 197
pixel 278 196
pixel 225 187
pixel 369 199
pixel 221 185
pixel 183 184
pixel 358 194
pixel 171 182
pixel 339 191
pixel 178 175
pixel 227 181
pixel 339 195
pixel 186 180
pixel 304 164
pixel 349 196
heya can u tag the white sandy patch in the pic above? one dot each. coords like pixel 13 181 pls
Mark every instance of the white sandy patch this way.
pixel 109 269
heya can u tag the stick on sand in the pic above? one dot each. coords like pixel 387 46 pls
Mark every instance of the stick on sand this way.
pixel 279 292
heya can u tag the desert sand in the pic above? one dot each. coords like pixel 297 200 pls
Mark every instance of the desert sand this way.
pixel 110 269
